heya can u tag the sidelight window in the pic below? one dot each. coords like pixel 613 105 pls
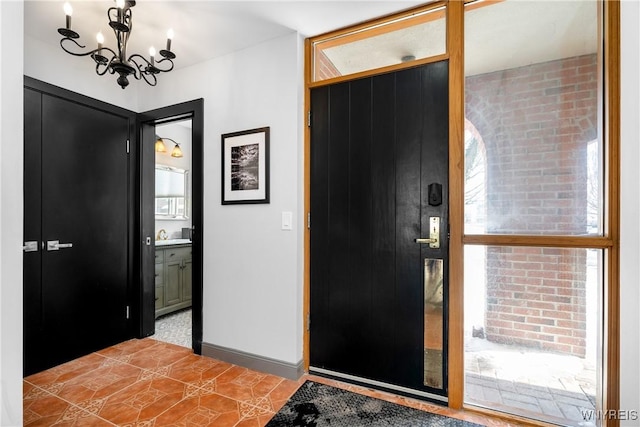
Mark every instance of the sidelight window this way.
pixel 533 291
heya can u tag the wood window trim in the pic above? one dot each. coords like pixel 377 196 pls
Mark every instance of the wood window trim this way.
pixel 609 242
pixel 455 48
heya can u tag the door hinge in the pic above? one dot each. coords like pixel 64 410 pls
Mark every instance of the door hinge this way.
pixel 128 146
pixel 308 322
pixel 309 220
pixel 128 312
pixel 309 119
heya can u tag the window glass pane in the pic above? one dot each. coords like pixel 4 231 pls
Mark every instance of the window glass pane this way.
pixel 420 36
pixel 533 152
pixel 531 331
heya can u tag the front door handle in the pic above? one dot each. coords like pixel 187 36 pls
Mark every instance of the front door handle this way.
pixel 54 245
pixel 434 233
pixel 426 240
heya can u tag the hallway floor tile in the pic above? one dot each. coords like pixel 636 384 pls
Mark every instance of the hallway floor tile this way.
pixel 151 383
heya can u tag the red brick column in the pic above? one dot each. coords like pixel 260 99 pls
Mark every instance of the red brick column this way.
pixel 536 122
pixel 323 67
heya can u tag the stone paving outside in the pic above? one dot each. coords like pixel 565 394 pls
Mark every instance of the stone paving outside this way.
pixel 526 382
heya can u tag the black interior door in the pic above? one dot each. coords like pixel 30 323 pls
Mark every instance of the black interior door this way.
pixel 78 302
pixel 378 145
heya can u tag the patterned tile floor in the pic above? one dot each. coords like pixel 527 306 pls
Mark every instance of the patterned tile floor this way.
pixel 151 383
pixel 174 328
pixel 557 388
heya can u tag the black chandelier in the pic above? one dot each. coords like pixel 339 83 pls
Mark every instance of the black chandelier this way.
pixel 121 21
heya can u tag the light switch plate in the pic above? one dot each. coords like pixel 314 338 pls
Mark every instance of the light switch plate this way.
pixel 287 221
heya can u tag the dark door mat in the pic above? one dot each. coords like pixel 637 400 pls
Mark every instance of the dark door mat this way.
pixel 319 405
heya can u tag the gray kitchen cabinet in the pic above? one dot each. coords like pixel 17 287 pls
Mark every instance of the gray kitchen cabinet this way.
pixel 159 283
pixel 173 278
pixel 186 279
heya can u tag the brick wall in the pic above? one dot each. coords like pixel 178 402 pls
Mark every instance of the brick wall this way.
pixel 535 122
pixel 324 68
pixel 536 297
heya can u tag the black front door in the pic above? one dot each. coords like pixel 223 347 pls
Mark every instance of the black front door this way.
pixel 77 211
pixel 379 182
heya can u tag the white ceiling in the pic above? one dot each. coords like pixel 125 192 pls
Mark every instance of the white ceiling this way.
pixel 203 29
pixel 505 35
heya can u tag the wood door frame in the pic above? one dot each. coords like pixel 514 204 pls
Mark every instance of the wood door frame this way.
pixel 609 242
pixel 193 110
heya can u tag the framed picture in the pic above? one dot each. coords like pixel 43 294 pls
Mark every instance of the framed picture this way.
pixel 245 167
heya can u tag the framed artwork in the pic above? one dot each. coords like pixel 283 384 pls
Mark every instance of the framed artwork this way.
pixel 245 167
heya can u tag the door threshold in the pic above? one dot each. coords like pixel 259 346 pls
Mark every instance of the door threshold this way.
pixel 379 384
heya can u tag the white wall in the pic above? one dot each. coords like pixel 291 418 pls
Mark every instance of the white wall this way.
pixel 253 274
pixel 76 74
pixel 630 218
pixel 11 160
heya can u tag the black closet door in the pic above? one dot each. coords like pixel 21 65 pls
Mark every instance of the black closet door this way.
pixel 78 302
pixel 376 145
pixel 35 357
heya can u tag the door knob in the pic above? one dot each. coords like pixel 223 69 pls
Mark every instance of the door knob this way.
pixel 54 245
pixel 31 246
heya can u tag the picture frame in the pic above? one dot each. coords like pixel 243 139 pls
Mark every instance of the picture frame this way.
pixel 245 167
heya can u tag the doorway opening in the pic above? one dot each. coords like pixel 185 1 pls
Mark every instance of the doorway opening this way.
pixel 171 205
pixel 173 232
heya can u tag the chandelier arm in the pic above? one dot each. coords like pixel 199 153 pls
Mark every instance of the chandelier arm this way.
pixel 146 72
pixel 161 61
pixel 127 18
pixel 109 13
pixel 75 42
pixel 149 68
pixel 88 53
pixel 107 66
pixel 116 33
pixel 140 69
pixel 146 79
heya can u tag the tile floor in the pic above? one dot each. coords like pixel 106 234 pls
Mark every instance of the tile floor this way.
pixel 151 383
pixel 175 328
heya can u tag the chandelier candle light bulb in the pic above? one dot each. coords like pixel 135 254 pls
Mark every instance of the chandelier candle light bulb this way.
pixel 120 6
pixel 100 40
pixel 68 11
pixel 152 54
pixel 169 38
